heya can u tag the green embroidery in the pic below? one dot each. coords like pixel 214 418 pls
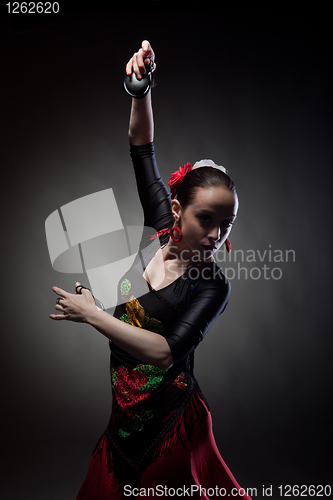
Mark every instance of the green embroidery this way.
pixel 125 287
pixel 136 423
pixel 114 377
pixel 153 374
pixel 135 313
pixel 125 319
pixel 151 324
pixel 132 390
pixel 154 325
pixel 123 434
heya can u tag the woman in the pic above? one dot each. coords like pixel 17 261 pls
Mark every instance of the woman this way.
pixel 160 433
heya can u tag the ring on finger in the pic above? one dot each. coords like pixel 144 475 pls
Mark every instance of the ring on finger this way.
pixel 58 300
pixel 98 303
pixel 79 289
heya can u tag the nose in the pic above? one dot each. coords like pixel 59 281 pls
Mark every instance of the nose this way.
pixel 215 233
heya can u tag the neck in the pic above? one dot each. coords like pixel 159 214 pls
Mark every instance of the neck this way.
pixel 183 254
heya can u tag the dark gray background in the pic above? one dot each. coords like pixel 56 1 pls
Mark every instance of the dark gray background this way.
pixel 249 89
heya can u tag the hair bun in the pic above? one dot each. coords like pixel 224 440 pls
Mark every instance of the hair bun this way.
pixel 209 163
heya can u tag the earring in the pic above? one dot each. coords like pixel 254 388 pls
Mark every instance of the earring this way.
pixel 228 245
pixel 180 235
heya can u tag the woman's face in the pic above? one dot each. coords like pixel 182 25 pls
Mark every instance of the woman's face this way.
pixel 207 221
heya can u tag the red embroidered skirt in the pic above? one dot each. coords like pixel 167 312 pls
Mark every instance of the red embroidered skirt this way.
pixel 196 471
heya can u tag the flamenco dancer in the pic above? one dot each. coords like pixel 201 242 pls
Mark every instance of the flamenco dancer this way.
pixel 160 431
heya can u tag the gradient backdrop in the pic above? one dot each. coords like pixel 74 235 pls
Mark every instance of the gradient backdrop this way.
pixel 251 90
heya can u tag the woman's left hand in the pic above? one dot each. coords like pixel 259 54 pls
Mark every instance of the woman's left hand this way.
pixel 74 307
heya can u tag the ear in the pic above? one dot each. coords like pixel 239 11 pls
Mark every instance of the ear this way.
pixel 176 209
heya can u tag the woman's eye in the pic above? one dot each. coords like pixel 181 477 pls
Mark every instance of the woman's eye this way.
pixel 205 218
pixel 228 223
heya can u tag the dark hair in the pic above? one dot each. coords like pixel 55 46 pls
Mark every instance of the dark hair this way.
pixel 203 177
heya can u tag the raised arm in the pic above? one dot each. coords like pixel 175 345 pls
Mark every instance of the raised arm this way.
pixel 143 344
pixel 141 125
pixel 153 194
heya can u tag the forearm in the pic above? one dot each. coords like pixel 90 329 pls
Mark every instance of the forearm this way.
pixel 141 125
pixel 143 344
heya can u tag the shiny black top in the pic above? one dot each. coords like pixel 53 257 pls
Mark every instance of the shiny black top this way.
pixel 150 403
pixel 200 294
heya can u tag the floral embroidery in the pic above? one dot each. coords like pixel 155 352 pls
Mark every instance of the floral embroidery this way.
pixel 154 376
pixel 135 423
pixel 154 325
pixel 132 391
pixel 125 287
pixel 114 377
pixel 179 381
pixel 133 388
pixel 135 313
pixel 127 389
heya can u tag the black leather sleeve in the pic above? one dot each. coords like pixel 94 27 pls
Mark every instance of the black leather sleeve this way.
pixel 153 194
pixel 209 297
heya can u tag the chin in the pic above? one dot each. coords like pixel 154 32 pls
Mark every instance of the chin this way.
pixel 206 254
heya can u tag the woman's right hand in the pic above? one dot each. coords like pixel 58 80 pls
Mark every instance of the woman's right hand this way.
pixel 144 56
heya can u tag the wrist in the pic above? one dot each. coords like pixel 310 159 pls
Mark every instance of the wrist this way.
pixel 92 315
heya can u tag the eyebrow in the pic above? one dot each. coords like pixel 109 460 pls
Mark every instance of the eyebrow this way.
pixel 206 210
pixel 214 213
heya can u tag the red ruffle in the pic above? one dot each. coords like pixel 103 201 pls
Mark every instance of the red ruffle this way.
pixel 198 464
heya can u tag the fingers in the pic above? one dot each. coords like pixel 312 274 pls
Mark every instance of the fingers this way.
pixel 129 67
pixel 148 53
pixel 145 46
pixel 59 291
pixel 73 306
pixel 136 64
pixel 59 303
pixel 59 307
pixel 78 288
pixel 139 65
pixel 58 316
pixel 82 290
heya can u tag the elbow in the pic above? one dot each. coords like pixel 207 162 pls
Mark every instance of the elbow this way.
pixel 139 139
pixel 165 363
pixel 132 137
pixel 161 355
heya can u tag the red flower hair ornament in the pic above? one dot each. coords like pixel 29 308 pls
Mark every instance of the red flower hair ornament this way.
pixel 177 177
